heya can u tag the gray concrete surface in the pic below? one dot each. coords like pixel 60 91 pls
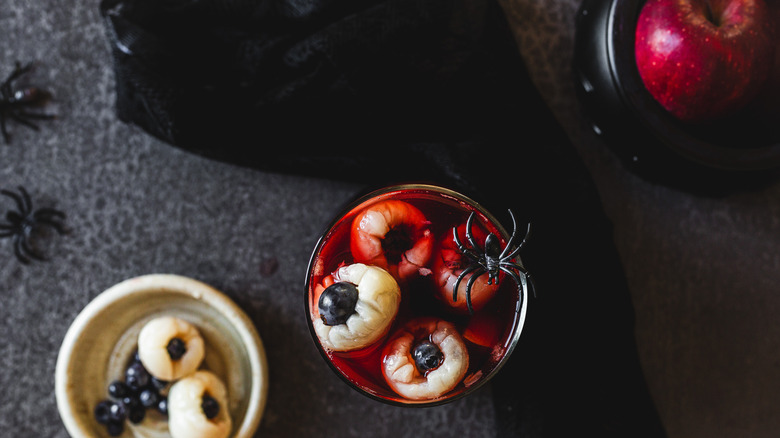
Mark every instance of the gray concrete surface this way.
pixel 703 271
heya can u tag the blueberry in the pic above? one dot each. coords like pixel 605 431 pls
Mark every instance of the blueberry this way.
pixel 149 397
pixel 131 402
pixel 118 389
pixel 427 356
pixel 117 411
pixel 162 405
pixel 337 303
pixel 176 348
pixel 103 411
pixel 210 406
pixel 115 428
pixel 136 376
pixel 136 414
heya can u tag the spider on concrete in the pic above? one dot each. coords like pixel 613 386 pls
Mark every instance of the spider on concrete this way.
pixel 20 224
pixel 14 104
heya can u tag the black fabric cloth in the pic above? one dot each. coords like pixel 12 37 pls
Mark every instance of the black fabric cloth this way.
pixel 396 90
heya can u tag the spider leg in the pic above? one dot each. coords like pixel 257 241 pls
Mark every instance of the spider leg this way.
pixel 29 115
pixel 463 249
pixel 9 227
pixel 58 226
pixel 6 135
pixel 51 217
pixel 511 238
pixel 469 285
pixel 513 265
pixel 19 255
pixel 505 266
pixel 519 247
pixel 27 201
pixel 18 71
pixel 21 201
pixel 493 276
pixel 470 236
pixel 461 276
pixel 48 212
pixel 519 283
pixel 25 122
pixel 6 85
pixel 19 250
pixel 22 246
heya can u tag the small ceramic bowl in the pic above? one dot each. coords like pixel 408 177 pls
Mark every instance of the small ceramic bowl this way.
pixel 740 150
pixel 103 338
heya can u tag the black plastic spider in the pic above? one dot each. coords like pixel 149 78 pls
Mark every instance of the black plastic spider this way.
pixel 491 260
pixel 13 103
pixel 21 224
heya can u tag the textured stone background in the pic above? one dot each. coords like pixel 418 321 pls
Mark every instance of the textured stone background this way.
pixel 703 271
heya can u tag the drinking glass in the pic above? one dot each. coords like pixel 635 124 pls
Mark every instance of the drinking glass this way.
pixel 405 234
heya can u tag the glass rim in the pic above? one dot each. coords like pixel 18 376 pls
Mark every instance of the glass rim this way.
pixel 365 196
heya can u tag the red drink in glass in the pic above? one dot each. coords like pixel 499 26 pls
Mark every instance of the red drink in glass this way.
pixel 419 252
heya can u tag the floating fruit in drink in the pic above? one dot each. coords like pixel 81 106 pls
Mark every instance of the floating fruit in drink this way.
pixel 393 235
pixel 357 308
pixel 426 359
pixel 458 294
pixel 448 266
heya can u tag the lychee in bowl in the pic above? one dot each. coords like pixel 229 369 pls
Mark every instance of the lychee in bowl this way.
pixel 103 338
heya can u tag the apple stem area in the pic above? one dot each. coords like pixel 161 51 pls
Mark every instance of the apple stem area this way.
pixel 710 14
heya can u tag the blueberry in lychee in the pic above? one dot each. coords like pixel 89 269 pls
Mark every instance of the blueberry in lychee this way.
pixel 176 348
pixel 337 303
pixel 427 356
pixel 210 406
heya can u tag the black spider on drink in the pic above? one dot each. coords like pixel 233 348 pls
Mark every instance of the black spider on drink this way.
pixel 15 104
pixel 22 223
pixel 490 259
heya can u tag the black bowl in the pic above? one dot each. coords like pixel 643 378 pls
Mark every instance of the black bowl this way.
pixel 735 153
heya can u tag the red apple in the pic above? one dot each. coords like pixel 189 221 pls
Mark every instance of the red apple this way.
pixel 704 59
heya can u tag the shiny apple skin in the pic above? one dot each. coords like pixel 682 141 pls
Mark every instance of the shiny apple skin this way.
pixel 699 70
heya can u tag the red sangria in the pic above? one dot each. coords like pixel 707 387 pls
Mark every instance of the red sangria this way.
pixel 415 295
